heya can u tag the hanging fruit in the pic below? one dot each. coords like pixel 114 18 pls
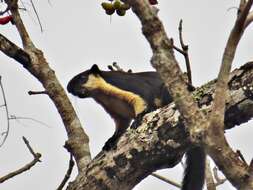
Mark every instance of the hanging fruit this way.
pixel 119 6
pixel 121 12
pixel 115 5
pixel 6 19
pixel 153 2
pixel 108 7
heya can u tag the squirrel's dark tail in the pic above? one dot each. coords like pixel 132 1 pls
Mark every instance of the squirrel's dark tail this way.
pixel 194 174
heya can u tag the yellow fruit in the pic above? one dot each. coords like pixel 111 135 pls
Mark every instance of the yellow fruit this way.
pixel 107 6
pixel 121 12
pixel 125 6
pixel 117 4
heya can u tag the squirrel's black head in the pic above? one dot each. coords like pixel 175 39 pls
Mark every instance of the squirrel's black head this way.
pixel 76 85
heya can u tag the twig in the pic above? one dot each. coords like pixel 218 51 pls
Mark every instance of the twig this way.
pixel 5 11
pixel 117 67
pixel 7 113
pixel 166 180
pixel 29 147
pixel 37 92
pixel 37 15
pixel 209 177
pixel 186 55
pixel 26 167
pixel 67 175
pixel 13 117
pixel 110 68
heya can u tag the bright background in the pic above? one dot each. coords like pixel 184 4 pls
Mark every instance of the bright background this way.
pixel 79 34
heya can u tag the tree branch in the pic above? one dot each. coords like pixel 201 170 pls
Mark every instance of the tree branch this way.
pixel 217 116
pixel 67 176
pixel 34 61
pixel 186 55
pixel 26 40
pixel 215 140
pixel 36 159
pixel 166 180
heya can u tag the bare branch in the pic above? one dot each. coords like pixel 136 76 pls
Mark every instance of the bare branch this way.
pixel 5 11
pixel 6 133
pixel 217 116
pixel 36 159
pixel 227 158
pixel 37 92
pixel 186 55
pixel 26 40
pixel 37 15
pixel 166 180
pixel 12 50
pixel 68 174
pixel 117 67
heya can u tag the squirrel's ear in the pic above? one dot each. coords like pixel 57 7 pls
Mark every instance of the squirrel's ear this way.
pixel 94 69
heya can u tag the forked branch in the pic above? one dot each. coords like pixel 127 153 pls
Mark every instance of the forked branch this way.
pixel 36 158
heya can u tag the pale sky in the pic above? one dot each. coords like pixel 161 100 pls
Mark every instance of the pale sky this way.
pixel 79 34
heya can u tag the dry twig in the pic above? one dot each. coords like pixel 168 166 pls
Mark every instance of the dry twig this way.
pixel 6 133
pixel 166 180
pixel 37 15
pixel 37 92
pixel 67 175
pixel 36 158
pixel 185 53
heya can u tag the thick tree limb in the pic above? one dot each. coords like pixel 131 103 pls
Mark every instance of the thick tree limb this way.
pixel 161 140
